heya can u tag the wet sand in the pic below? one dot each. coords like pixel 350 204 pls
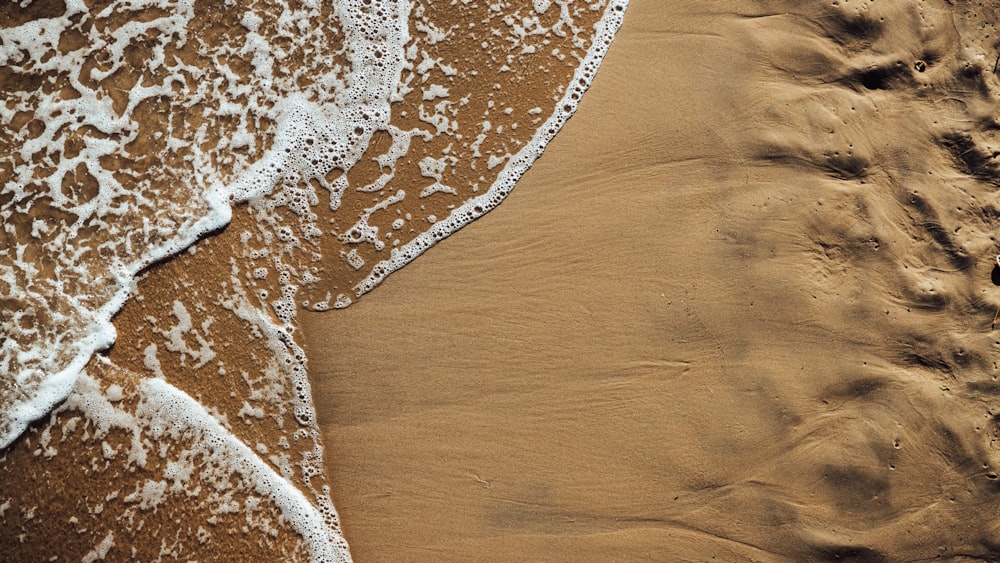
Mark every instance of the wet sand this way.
pixel 739 310
pixel 202 407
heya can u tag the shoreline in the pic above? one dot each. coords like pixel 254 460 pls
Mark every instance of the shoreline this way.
pixel 215 323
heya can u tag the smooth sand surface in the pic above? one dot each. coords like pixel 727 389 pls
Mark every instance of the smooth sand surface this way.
pixel 739 310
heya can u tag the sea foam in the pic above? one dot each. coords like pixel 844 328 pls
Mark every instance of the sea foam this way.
pixel 132 137
pixel 95 244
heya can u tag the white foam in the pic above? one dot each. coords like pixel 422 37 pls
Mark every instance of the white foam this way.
pixel 167 413
pixel 311 138
pixel 318 128
pixel 164 409
pixel 101 550
pixel 519 163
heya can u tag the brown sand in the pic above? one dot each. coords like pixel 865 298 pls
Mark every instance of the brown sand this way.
pixel 99 472
pixel 739 310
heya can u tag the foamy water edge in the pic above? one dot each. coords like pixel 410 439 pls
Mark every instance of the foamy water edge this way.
pixel 101 333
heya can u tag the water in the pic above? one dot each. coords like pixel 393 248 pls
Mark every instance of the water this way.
pixel 352 135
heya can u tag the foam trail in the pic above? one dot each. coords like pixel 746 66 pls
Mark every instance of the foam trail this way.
pixel 94 270
pixel 114 165
pixel 475 207
pixel 165 409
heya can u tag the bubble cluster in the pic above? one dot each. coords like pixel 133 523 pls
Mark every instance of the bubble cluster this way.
pixel 515 167
pixel 121 136
pixel 338 140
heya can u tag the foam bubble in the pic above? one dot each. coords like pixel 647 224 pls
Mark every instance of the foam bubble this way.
pixel 324 126
pixel 517 164
pixel 241 124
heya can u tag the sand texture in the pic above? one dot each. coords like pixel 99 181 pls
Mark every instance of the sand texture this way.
pixel 740 310
pixel 194 436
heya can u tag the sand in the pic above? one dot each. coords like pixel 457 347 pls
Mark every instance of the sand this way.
pixel 741 309
pixel 202 407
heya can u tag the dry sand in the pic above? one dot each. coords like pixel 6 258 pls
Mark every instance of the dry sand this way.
pixel 739 310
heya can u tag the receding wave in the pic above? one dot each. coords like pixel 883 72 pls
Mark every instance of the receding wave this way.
pixel 324 145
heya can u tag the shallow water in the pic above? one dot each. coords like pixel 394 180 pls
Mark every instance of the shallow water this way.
pixel 350 137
